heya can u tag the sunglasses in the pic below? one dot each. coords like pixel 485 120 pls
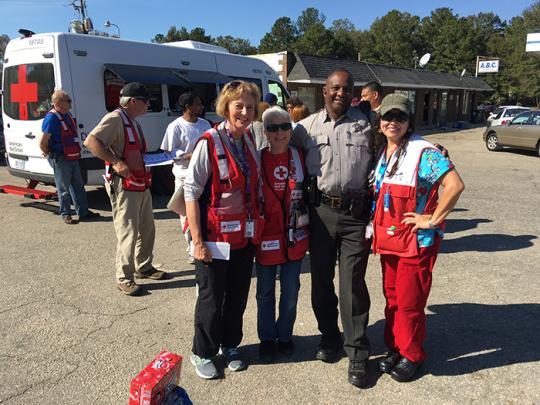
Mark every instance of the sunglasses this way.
pixel 67 100
pixel 144 100
pixel 399 117
pixel 234 84
pixel 276 127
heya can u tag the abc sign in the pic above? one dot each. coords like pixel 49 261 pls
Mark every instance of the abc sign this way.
pixel 488 66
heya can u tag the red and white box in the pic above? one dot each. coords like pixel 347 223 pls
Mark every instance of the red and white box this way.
pixel 158 379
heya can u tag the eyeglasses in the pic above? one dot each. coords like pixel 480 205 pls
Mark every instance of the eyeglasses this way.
pixel 67 100
pixel 399 117
pixel 276 127
pixel 143 99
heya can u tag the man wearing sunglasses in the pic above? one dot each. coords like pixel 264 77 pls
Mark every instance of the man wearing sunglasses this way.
pixel 118 140
pixel 60 144
pixel 339 159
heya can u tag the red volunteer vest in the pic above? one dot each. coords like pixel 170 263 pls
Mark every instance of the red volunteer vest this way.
pixel 390 236
pixel 285 236
pixel 234 215
pixel 68 136
pixel 134 148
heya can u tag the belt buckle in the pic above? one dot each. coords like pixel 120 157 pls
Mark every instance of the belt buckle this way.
pixel 335 202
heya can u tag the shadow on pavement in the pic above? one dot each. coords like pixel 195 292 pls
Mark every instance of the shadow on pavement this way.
pixel 466 338
pixel 487 243
pixel 459 225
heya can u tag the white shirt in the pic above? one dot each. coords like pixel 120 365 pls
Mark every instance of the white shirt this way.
pixel 180 138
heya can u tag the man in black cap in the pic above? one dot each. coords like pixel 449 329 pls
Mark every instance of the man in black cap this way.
pixel 119 141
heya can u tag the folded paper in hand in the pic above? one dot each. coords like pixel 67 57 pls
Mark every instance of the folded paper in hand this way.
pixel 219 250
pixel 158 159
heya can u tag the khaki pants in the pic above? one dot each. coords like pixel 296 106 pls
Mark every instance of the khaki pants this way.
pixel 133 220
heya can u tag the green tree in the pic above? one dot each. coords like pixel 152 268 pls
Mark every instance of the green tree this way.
pixel 309 17
pixel 4 39
pixel 395 39
pixel 174 34
pixel 280 38
pixel 343 30
pixel 316 40
pixel 239 46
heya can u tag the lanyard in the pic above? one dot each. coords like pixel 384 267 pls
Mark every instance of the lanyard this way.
pixel 239 155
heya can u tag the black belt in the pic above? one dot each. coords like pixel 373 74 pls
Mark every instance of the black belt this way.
pixel 338 203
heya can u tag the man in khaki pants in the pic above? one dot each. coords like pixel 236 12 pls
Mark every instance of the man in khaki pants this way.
pixel 119 141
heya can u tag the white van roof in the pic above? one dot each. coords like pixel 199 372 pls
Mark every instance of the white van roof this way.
pixel 197 45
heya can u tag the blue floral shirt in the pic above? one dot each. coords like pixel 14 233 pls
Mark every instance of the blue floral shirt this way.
pixel 433 165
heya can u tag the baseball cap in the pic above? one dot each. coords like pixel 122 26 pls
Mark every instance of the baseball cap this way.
pixel 270 98
pixel 134 89
pixel 396 101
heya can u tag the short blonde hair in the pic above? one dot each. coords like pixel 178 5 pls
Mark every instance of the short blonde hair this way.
pixel 58 95
pixel 233 91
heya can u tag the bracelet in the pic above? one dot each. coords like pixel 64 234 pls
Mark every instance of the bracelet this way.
pixel 431 225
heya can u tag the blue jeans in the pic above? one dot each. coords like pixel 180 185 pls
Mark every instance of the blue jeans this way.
pixel 267 326
pixel 69 186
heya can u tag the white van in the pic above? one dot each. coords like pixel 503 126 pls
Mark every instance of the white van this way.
pixel 93 69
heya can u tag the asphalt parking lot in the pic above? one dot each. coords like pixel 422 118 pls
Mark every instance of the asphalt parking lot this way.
pixel 67 336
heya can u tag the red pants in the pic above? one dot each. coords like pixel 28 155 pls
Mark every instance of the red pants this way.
pixel 406 285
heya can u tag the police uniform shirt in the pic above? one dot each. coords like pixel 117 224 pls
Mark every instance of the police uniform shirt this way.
pixel 337 152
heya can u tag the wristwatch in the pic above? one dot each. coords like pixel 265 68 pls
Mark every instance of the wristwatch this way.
pixel 431 223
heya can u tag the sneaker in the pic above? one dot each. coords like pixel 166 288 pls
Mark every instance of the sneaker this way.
pixel 267 351
pixel 232 357
pixel 89 216
pixel 286 348
pixel 204 368
pixel 129 288
pixel 153 273
pixel 191 259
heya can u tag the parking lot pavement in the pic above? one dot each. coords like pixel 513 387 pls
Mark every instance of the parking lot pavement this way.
pixel 68 337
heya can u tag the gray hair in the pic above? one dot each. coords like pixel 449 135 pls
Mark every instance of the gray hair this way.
pixel 124 101
pixel 275 112
pixel 57 95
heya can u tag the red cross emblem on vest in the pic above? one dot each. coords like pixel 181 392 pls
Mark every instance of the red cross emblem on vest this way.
pixel 23 93
pixel 281 172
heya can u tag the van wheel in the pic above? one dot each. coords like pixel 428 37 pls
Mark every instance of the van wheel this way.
pixel 492 142
pixel 162 180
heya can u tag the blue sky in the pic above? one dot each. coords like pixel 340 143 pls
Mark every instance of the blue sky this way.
pixel 142 19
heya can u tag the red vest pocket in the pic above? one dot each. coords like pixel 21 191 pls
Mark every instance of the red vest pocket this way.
pixel 397 241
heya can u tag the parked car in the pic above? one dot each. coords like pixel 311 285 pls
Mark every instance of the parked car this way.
pixel 503 114
pixel 521 132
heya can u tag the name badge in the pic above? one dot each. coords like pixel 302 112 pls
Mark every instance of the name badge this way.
pixel 250 228
pixel 270 245
pixel 230 226
pixel 369 230
pixel 303 220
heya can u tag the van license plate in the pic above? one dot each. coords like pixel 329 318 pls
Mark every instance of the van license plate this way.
pixel 19 164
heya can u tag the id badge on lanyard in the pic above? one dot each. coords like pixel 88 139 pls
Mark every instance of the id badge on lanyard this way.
pixel 250 228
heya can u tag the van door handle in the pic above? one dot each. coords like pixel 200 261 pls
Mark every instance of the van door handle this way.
pixel 30 135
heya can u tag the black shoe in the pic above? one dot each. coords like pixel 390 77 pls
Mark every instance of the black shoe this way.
pixel 286 348
pixel 329 354
pixel 358 375
pixel 405 370
pixel 389 361
pixel 89 216
pixel 267 351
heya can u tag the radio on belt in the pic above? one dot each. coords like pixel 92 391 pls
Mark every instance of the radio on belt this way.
pixel 157 380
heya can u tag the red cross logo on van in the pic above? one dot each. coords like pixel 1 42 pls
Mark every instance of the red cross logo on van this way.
pixel 24 93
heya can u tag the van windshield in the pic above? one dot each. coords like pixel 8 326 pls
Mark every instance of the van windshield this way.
pixel 27 90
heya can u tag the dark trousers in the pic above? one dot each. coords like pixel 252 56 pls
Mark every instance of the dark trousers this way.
pixel 223 292
pixel 336 234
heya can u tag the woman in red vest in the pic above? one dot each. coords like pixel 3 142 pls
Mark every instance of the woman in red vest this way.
pixel 408 225
pixel 224 205
pixel 285 237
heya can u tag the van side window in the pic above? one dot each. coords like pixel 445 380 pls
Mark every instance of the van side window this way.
pixel 279 92
pixel 206 91
pixel 27 90
pixel 113 84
